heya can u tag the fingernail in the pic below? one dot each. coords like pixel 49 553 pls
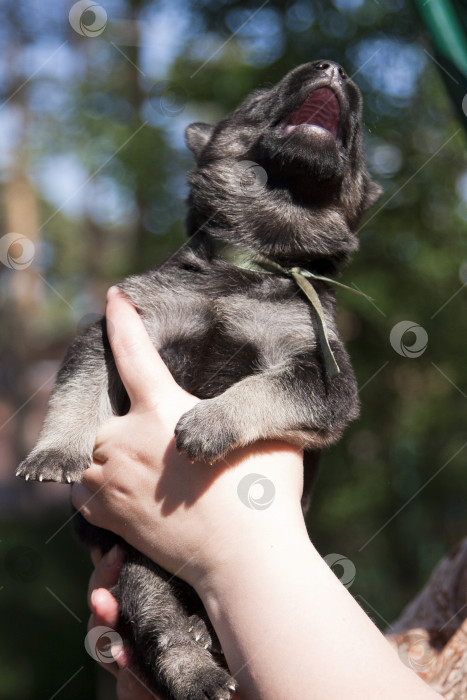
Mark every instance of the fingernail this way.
pixel 94 598
pixel 112 292
pixel 113 555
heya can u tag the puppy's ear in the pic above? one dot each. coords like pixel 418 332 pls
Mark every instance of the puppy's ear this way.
pixel 373 192
pixel 197 135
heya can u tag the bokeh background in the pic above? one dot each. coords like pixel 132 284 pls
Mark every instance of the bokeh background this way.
pixel 92 184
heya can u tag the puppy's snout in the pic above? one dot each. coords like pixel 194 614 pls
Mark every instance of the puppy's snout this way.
pixel 330 68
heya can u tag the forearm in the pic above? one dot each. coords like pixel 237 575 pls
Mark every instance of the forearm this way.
pixel 289 630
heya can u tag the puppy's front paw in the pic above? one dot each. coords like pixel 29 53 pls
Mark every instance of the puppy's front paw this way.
pixel 204 432
pixel 53 465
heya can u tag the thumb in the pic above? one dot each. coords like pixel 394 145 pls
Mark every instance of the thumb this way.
pixel 144 374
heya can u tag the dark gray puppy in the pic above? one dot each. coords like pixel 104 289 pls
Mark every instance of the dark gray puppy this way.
pixel 276 195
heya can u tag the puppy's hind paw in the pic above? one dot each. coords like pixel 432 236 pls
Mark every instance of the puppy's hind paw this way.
pixel 225 692
pixel 216 684
pixel 189 672
pixel 199 632
pixel 53 465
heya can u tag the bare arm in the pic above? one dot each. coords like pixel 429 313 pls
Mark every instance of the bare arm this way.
pixel 289 629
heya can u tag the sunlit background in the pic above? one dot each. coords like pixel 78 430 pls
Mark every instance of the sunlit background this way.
pixel 92 184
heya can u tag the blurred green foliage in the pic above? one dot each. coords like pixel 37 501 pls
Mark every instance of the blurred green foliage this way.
pixel 98 134
pixel 44 614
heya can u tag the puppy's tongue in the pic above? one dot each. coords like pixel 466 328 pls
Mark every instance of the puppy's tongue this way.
pixel 321 108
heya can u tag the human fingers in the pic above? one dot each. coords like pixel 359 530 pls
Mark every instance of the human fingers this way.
pixel 106 571
pixel 105 617
pixel 103 642
pixel 93 622
pixel 96 555
pixel 104 607
pixel 141 368
pixel 129 686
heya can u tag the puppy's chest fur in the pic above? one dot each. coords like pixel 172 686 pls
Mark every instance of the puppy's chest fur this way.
pixel 211 340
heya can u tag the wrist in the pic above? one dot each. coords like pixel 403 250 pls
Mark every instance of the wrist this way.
pixel 246 548
pixel 251 567
pixel 259 511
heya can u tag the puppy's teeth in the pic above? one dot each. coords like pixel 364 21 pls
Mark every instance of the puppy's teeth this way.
pixel 191 629
pixel 68 479
pixel 26 477
pixel 40 477
pixel 232 687
pixel 206 646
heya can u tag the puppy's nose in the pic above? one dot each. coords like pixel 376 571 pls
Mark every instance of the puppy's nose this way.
pixel 331 68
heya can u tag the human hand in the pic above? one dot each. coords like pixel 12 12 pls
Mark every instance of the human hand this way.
pixel 105 613
pixel 181 515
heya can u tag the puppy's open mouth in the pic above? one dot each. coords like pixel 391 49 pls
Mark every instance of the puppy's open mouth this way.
pixel 320 109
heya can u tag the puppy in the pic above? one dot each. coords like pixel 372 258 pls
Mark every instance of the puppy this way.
pixel 244 316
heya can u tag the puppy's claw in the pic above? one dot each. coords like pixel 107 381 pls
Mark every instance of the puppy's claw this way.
pixel 53 465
